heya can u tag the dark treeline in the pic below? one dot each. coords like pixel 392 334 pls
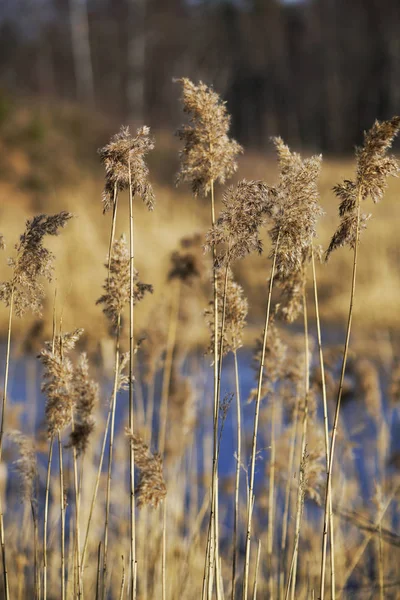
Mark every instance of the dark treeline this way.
pixel 316 72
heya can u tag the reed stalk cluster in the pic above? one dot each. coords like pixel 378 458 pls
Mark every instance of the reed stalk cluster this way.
pixel 125 485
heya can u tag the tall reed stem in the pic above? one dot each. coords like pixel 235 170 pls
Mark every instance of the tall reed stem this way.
pixel 237 478
pixel 35 549
pixel 77 562
pixel 326 419
pixel 110 455
pixel 164 551
pixel 3 410
pixel 256 571
pixel 255 429
pixel 328 492
pixel 112 231
pixel 285 518
pixel 131 405
pixel 45 521
pixel 213 529
pixel 300 491
pixel 171 339
pixel 96 488
pixel 271 501
pixel 62 507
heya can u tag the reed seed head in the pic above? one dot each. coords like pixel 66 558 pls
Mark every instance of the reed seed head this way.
pixel 32 262
pixel 117 284
pixel 295 209
pixel 151 488
pixel 236 308
pixel 373 169
pixel 187 263
pixel 86 392
pixel 124 163
pixel 373 165
pixel 246 206
pixel 25 465
pixel 57 383
pixel 209 155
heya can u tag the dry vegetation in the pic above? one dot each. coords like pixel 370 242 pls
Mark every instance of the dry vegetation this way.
pixel 122 461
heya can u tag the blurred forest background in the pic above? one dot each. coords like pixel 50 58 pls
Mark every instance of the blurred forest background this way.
pixel 317 72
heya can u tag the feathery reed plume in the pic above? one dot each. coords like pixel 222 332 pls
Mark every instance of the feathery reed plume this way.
pixel 296 211
pixel 86 392
pixel 57 383
pixel 246 206
pixel 151 488
pixel 117 285
pixel 26 467
pixel 236 308
pixel 124 154
pixel 209 155
pixel 33 261
pixel 188 262
pixel 373 169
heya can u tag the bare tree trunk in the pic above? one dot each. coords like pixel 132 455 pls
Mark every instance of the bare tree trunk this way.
pixel 81 51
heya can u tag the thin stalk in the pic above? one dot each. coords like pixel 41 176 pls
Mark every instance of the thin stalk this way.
pixel 214 489
pixel 164 551
pixel 255 429
pixel 326 420
pixel 285 519
pixel 96 488
pixel 150 409
pixel 113 224
pixel 368 537
pixel 300 491
pixel 6 371
pixel 62 507
pixel 3 410
pixel 98 578
pixel 256 572
pixel 213 553
pixel 380 563
pixel 77 562
pixel 169 356
pixel 45 521
pixel 237 479
pixel 121 593
pixel 110 454
pixel 35 550
pixel 131 404
pixel 271 500
pixel 328 492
